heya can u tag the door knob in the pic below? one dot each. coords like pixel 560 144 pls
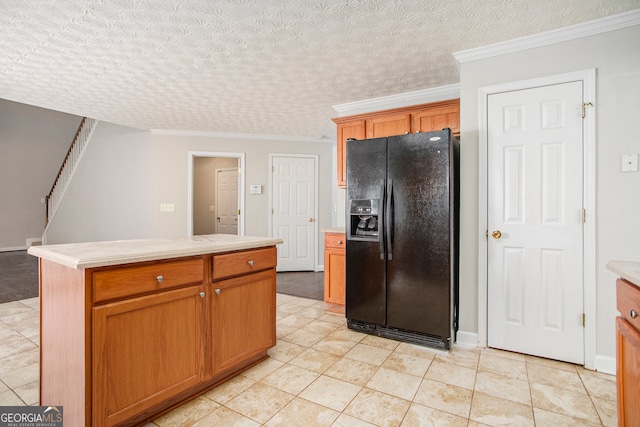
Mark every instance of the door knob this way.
pixel 496 234
pixel 310 219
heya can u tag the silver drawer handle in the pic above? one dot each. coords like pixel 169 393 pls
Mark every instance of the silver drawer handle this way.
pixel 202 294
pixel 251 263
pixel 633 314
pixel 159 279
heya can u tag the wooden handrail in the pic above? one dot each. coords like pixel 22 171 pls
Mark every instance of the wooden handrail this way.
pixel 64 162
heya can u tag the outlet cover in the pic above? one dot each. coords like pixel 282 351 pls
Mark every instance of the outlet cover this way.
pixel 167 207
pixel 629 163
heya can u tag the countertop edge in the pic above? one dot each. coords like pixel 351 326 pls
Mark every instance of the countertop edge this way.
pixel 199 248
pixel 628 270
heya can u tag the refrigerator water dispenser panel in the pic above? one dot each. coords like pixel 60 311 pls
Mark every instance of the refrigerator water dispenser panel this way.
pixel 363 220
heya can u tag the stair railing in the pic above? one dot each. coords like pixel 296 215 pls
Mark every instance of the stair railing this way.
pixel 71 160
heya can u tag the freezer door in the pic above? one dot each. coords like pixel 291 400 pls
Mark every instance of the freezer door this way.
pixel 419 270
pixel 366 272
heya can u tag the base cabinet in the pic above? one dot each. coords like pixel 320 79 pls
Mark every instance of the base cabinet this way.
pixel 334 271
pixel 122 344
pixel 628 354
pixel 244 310
pixel 146 351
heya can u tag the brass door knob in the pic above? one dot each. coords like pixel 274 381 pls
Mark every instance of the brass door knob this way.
pixel 496 234
pixel 310 219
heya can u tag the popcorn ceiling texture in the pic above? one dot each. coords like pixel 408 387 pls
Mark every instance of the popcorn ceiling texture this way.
pixel 250 66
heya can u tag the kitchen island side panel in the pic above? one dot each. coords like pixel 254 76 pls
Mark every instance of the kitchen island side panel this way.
pixel 64 341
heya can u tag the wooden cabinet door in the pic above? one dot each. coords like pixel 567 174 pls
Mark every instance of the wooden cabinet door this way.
pixel 146 350
pixel 397 124
pixel 628 373
pixel 334 268
pixel 436 119
pixel 354 129
pixel 244 318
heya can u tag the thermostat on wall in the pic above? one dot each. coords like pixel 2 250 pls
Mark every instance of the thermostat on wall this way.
pixel 255 189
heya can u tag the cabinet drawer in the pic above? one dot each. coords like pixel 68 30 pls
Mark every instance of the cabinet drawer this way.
pixel 237 263
pixel 129 281
pixel 628 302
pixel 334 240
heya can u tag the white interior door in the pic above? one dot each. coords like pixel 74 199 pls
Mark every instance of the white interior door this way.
pixel 535 222
pixel 294 211
pixel 227 201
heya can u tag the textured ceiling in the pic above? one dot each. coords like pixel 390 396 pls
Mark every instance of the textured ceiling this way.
pixel 251 66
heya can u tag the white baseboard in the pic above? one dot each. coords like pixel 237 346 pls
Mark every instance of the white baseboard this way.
pixel 605 364
pixel 34 241
pixel 467 339
pixel 319 268
pixel 17 248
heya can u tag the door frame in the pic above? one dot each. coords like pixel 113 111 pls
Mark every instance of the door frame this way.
pixel 588 77
pixel 241 185
pixel 316 255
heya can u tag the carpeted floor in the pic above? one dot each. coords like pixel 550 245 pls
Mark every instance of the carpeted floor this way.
pixel 18 276
pixel 19 279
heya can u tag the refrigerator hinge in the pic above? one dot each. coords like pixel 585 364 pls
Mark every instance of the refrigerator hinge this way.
pixel 584 320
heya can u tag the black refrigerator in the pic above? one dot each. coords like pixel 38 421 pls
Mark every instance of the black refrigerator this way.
pixel 402 237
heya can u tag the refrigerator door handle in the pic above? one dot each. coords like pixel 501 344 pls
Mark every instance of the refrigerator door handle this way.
pixel 381 222
pixel 389 219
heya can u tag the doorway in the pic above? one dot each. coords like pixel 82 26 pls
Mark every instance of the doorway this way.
pixel 537 187
pixel 216 193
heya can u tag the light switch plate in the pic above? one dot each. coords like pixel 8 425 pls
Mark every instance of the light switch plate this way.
pixel 167 207
pixel 255 189
pixel 629 163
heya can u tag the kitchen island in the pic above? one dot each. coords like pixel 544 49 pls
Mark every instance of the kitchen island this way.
pixel 627 340
pixel 131 329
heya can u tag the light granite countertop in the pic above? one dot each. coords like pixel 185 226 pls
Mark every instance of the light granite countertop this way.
pixel 333 230
pixel 101 254
pixel 628 270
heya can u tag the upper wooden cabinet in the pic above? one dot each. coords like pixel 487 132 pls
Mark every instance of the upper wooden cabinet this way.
pixel 418 118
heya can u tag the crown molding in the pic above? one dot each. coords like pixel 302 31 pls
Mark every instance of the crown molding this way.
pixel 245 136
pixel 423 96
pixel 572 32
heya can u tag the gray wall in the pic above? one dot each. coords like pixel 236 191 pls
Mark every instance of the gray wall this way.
pixel 111 195
pixel 33 144
pixel 172 154
pixel 616 55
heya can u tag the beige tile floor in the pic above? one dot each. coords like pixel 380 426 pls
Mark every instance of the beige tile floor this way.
pixel 322 374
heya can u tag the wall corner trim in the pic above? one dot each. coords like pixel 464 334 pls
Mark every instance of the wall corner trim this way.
pixel 572 32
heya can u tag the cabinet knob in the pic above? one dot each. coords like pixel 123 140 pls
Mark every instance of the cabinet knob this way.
pixel 159 279
pixel 250 262
pixel 217 291
pixel 339 242
pixel 202 294
pixel 633 314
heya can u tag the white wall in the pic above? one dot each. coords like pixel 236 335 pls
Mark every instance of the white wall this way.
pixel 616 56
pixel 33 144
pixel 111 195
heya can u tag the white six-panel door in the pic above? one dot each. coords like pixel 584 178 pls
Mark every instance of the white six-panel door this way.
pixel 535 220
pixel 227 201
pixel 294 212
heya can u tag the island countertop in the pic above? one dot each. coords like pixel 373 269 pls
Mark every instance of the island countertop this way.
pixel 101 254
pixel 628 270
